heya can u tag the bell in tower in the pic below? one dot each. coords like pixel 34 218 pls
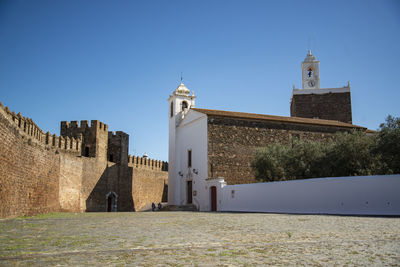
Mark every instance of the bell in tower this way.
pixel 310 71
pixel 314 102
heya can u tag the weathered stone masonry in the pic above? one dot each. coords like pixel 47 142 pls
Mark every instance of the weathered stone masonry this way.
pixel 329 106
pixel 232 142
pixel 40 172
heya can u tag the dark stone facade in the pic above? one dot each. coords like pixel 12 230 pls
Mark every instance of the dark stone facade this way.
pixel 330 106
pixel 232 143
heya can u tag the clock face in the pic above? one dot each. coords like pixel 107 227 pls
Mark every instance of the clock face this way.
pixel 311 83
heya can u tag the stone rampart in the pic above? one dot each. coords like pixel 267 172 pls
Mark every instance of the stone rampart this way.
pixel 144 162
pixel 28 168
pixel 28 130
pixel 149 181
pixel 41 172
pixel 149 186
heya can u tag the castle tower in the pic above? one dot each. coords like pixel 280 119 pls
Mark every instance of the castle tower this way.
pixel 319 103
pixel 95 137
pixel 179 104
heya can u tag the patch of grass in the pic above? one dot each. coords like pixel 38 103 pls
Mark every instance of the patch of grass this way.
pixel 210 254
pixel 289 234
pixel 50 215
pixel 231 253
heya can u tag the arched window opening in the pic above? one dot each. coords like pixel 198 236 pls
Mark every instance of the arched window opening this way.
pixel 310 72
pixel 184 105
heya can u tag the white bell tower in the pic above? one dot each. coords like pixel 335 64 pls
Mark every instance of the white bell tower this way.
pixel 179 103
pixel 310 72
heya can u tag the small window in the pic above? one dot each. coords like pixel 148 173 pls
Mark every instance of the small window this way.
pixel 87 151
pixel 189 158
pixel 111 158
pixel 172 109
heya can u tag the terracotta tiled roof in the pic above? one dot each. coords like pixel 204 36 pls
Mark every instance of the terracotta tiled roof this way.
pixel 242 115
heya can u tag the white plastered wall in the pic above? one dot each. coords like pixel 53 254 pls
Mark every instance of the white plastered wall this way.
pixel 191 134
pixel 363 195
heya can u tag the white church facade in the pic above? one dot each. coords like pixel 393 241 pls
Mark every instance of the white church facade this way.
pixel 187 169
pixel 210 149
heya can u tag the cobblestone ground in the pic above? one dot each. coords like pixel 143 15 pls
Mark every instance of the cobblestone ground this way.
pixel 198 239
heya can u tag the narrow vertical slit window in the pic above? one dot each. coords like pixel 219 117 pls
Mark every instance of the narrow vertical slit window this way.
pixel 189 158
pixel 172 109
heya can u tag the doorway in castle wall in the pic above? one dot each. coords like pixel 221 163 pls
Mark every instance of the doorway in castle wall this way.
pixel 189 192
pixel 111 201
pixel 213 198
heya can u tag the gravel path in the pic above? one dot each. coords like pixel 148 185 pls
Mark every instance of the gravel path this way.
pixel 199 239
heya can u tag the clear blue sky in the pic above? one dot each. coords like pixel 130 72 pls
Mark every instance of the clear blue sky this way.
pixel 118 61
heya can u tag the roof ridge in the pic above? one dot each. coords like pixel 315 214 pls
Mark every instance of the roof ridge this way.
pixel 276 118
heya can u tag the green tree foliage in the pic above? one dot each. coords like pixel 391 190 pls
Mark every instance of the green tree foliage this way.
pixel 388 144
pixel 304 159
pixel 350 155
pixel 346 154
pixel 268 162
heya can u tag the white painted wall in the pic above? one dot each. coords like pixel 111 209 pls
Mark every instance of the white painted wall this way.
pixel 178 115
pixel 192 134
pixel 362 195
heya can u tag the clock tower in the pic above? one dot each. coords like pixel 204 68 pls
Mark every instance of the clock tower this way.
pixel 312 101
pixel 310 72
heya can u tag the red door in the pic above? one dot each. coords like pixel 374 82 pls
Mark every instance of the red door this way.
pixel 189 192
pixel 213 198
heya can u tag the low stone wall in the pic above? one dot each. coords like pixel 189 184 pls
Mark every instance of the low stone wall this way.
pixel 362 195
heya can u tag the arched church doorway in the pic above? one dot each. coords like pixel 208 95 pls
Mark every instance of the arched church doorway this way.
pixel 111 201
pixel 213 198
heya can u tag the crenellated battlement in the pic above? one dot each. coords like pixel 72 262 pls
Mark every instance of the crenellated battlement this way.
pixel 77 137
pixel 67 143
pixel 144 162
pixel 27 127
pixel 74 126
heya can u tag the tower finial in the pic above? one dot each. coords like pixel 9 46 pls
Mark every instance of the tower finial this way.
pixel 181 77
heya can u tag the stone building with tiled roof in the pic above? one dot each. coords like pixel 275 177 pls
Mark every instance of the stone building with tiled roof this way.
pixel 208 145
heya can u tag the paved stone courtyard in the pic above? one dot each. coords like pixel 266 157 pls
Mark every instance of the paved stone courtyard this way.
pixel 198 239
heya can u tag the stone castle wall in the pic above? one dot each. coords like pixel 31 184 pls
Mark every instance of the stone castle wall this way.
pixel 331 106
pixel 232 143
pixel 28 169
pixel 40 172
pixel 149 178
